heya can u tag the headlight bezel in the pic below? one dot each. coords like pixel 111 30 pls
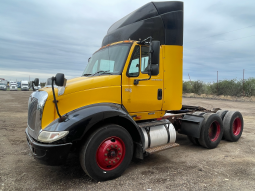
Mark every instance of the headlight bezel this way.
pixel 51 136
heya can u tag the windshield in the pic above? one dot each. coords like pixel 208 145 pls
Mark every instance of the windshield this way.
pixel 2 84
pixel 24 84
pixel 109 60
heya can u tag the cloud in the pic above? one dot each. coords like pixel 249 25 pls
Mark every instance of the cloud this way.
pixel 42 38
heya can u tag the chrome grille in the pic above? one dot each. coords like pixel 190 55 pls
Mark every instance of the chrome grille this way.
pixel 32 113
pixel 36 104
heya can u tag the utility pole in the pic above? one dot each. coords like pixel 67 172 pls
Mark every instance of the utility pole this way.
pixel 243 82
pixel 189 78
pixel 217 84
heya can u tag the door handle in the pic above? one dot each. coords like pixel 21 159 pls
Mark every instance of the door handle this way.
pixel 159 94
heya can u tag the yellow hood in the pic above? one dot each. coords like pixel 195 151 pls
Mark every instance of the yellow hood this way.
pixel 85 83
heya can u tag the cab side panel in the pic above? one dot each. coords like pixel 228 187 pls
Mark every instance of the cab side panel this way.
pixel 171 58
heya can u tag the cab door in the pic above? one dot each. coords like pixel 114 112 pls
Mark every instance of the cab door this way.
pixel 146 97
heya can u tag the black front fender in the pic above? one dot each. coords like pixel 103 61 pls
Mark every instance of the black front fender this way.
pixel 81 120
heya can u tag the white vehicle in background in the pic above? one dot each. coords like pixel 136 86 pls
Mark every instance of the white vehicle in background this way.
pixel 24 85
pixel 3 85
pixel 13 86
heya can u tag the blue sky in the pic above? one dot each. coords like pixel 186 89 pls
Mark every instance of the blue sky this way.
pixel 42 38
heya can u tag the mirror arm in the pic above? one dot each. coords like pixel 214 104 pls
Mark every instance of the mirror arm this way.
pixel 136 81
pixel 33 85
pixel 61 118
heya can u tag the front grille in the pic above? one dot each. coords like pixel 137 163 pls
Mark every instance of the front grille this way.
pixel 32 113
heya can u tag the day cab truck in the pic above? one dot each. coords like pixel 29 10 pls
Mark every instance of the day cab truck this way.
pixel 3 84
pixel 24 86
pixel 13 86
pixel 128 101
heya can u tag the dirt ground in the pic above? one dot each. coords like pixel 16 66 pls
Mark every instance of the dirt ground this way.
pixel 231 166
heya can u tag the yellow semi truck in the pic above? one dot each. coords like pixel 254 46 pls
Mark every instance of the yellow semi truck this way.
pixel 128 101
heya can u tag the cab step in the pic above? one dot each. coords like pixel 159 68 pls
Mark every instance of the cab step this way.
pixel 161 148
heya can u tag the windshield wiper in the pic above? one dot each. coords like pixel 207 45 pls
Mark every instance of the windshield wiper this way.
pixel 102 72
pixel 86 74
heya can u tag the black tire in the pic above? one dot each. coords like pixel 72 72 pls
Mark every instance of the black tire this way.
pixel 233 126
pixel 89 152
pixel 221 113
pixel 211 131
pixel 193 139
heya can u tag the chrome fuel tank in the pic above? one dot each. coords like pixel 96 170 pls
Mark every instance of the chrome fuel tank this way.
pixel 158 133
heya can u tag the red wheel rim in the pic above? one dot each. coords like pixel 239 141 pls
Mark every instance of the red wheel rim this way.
pixel 237 126
pixel 110 153
pixel 214 131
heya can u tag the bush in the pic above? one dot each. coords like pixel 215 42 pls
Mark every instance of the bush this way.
pixel 224 87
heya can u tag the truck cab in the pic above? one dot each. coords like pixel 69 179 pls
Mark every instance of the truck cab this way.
pixel 24 86
pixel 13 86
pixel 3 84
pixel 127 102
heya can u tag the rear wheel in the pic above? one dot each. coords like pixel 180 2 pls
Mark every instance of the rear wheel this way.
pixel 221 113
pixel 211 131
pixel 233 126
pixel 107 153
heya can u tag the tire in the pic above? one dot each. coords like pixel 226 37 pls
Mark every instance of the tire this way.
pixel 221 113
pixel 193 139
pixel 211 131
pixel 110 144
pixel 233 126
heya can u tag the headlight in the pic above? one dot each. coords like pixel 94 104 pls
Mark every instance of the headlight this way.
pixel 49 136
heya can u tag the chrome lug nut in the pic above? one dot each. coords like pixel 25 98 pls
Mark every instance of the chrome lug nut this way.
pixel 106 159
pixel 112 146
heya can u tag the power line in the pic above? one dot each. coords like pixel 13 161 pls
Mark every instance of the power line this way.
pixel 221 33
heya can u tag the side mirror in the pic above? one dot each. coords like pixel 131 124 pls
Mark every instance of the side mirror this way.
pixel 36 82
pixel 155 47
pixel 154 69
pixel 60 79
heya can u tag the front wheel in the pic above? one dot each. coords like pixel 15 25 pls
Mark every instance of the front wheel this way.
pixel 107 152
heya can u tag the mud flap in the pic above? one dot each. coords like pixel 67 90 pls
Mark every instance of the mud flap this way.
pixel 191 125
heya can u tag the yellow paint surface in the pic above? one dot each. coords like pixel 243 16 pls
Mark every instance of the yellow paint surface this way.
pixel 171 58
pixel 80 92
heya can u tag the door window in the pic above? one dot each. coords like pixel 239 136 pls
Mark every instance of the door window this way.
pixel 145 59
pixel 133 70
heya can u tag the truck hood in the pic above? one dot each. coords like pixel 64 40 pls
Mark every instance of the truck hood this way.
pixel 85 83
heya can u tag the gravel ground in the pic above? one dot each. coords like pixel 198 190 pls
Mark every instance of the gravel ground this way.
pixel 231 166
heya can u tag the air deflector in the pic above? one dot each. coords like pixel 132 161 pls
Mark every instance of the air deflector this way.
pixel 161 20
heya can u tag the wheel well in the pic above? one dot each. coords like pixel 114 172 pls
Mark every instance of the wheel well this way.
pixel 125 123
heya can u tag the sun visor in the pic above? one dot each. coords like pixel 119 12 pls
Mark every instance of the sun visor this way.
pixel 161 20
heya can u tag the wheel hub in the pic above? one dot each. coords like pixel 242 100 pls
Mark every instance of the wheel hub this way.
pixel 237 126
pixel 110 153
pixel 214 131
